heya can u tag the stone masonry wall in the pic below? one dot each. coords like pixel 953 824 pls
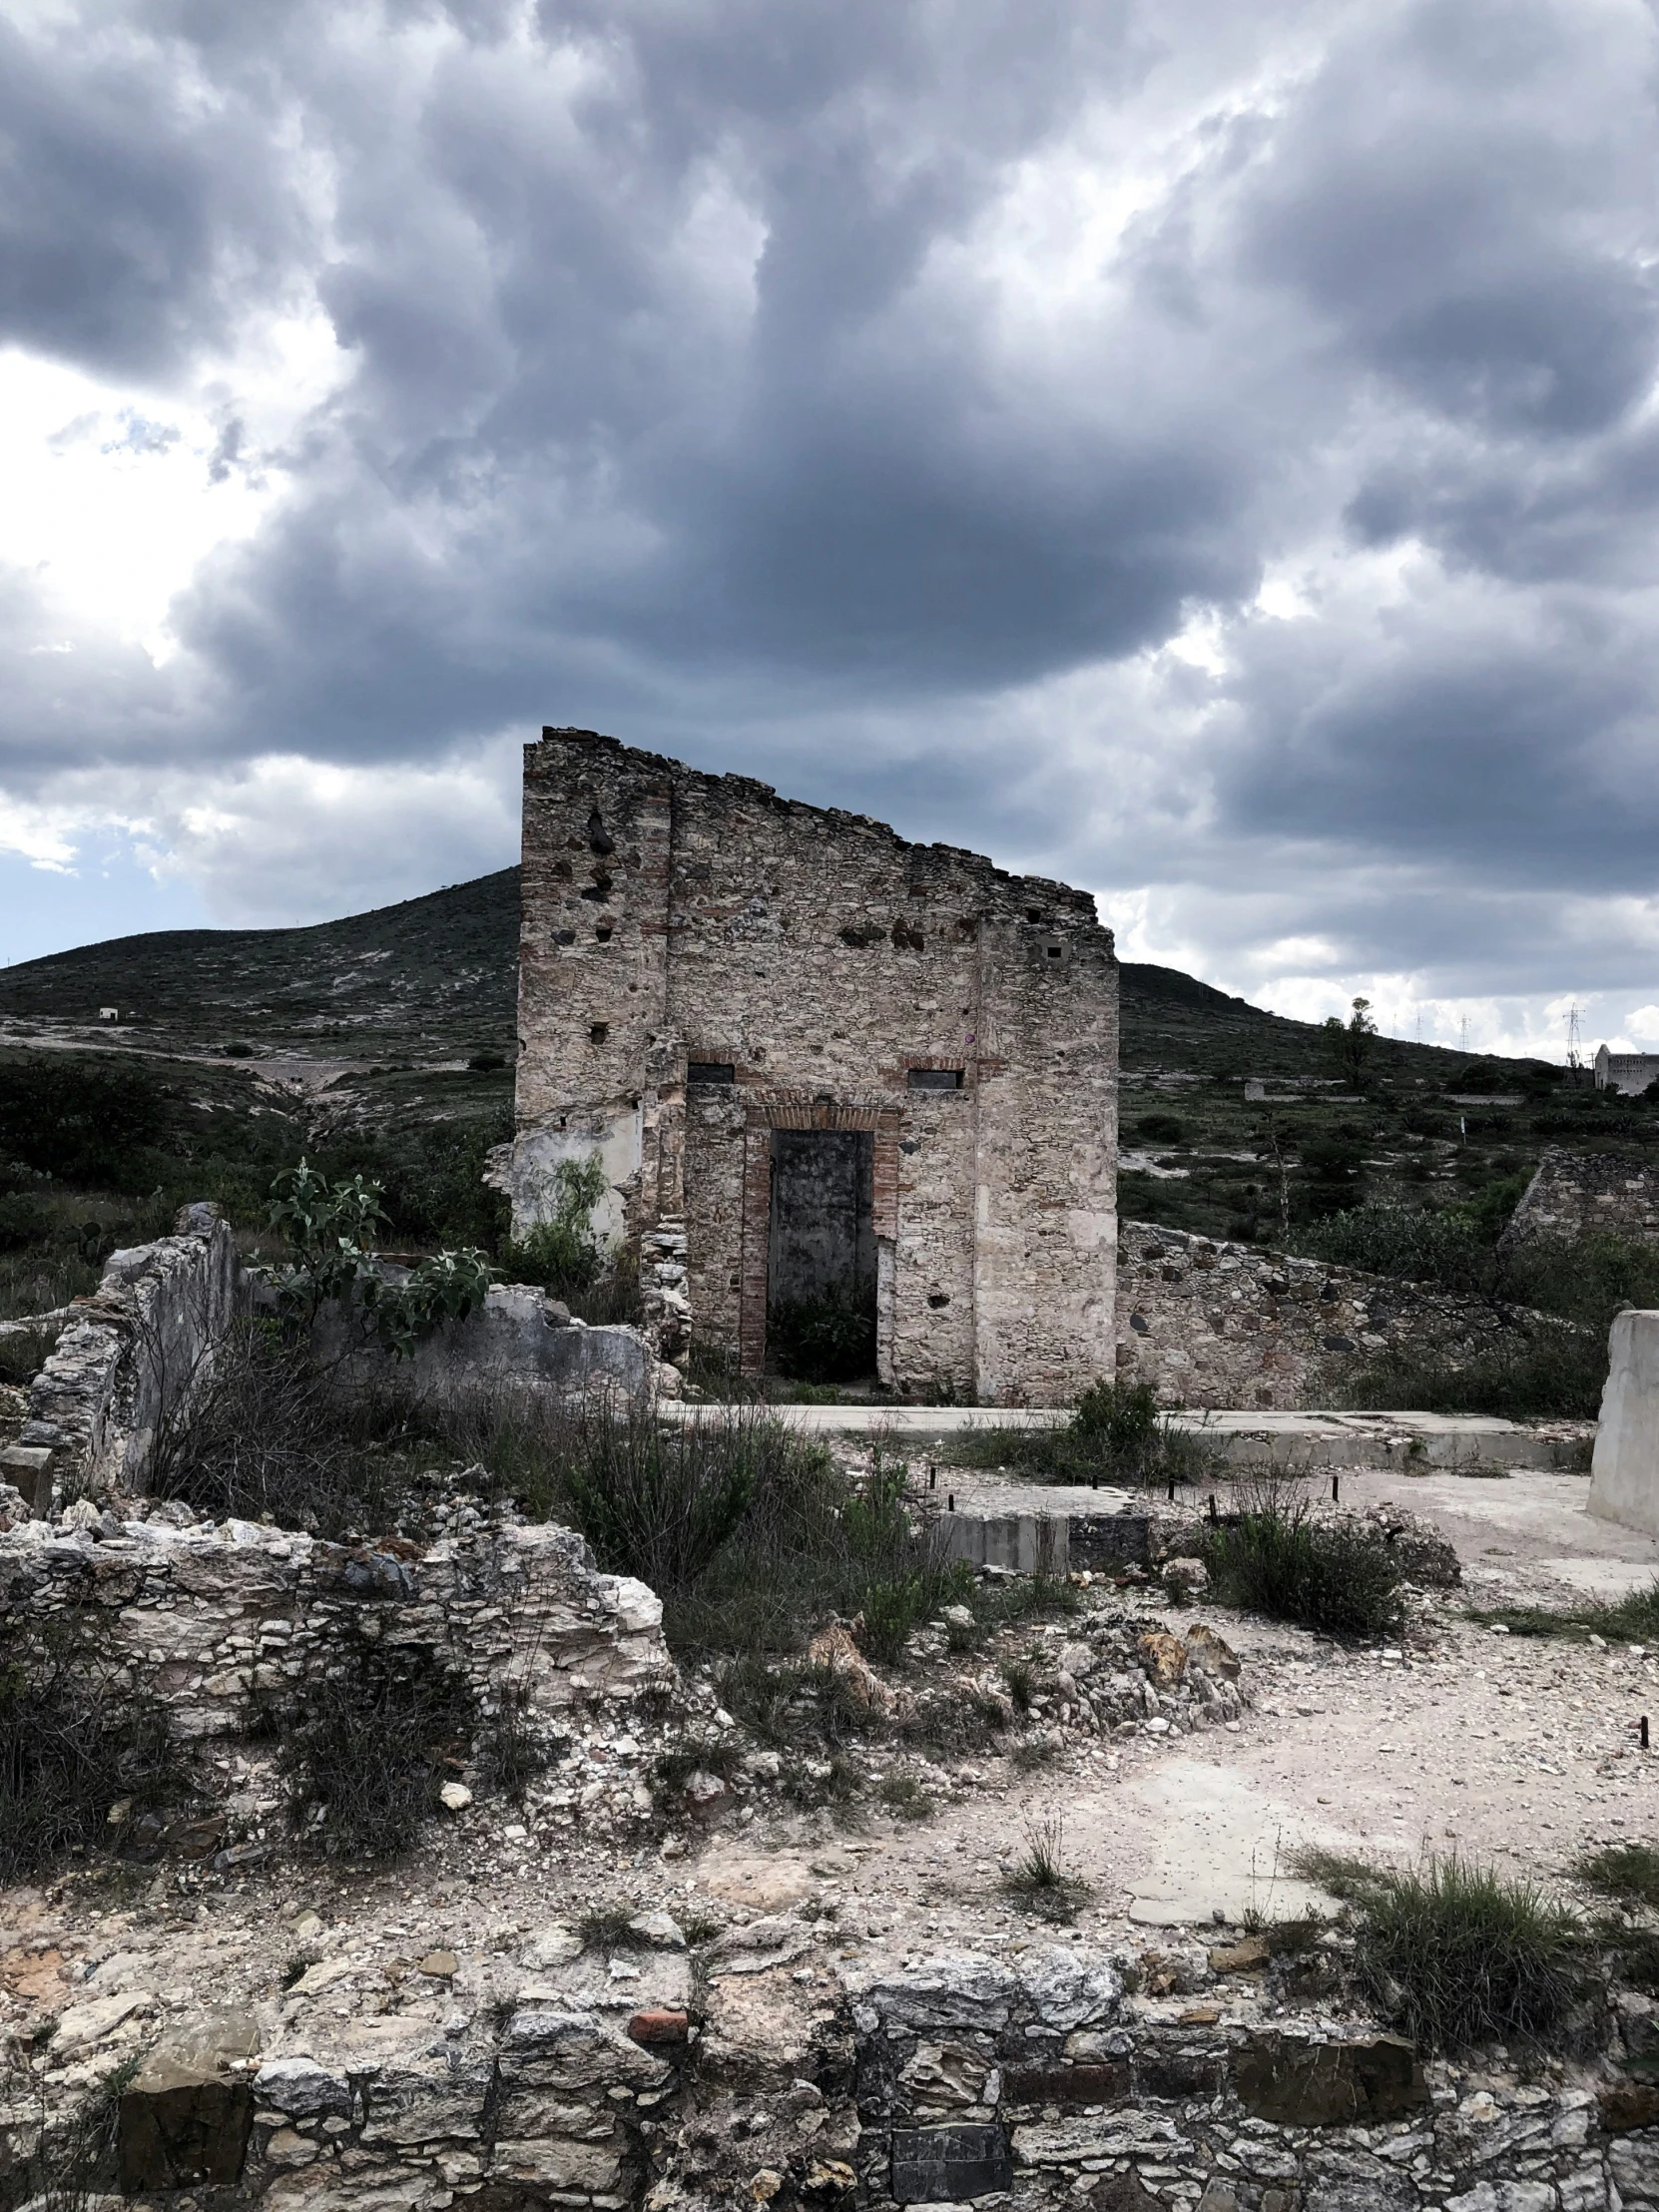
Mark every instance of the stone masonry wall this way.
pixel 211 1617
pixel 1574 1194
pixel 757 2070
pixel 127 1361
pixel 676 922
pixel 1211 1324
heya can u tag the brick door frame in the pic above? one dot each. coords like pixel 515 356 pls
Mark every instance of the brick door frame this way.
pixel 769 1110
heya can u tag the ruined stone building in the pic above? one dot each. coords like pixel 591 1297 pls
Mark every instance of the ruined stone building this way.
pixel 816 1060
pixel 1631 1072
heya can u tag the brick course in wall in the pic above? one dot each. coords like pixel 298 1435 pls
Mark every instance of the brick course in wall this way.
pixel 676 922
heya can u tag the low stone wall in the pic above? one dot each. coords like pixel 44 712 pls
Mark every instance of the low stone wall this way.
pixel 1574 1194
pixel 1032 2076
pixel 759 2070
pixel 127 1358
pixel 1211 1324
pixel 127 1361
pixel 210 1617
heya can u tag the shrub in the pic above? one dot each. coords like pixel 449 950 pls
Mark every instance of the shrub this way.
pixel 1455 1954
pixel 72 1742
pixel 1418 1243
pixel 564 1252
pixel 1623 1871
pixel 829 1338
pixel 263 1433
pixel 659 1502
pixel 904 1797
pixel 1333 1576
pixel 1541 1372
pixel 365 1748
pixel 1040 1880
pixel 81 1121
pixel 1116 1433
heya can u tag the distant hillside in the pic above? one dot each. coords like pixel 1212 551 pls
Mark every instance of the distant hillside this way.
pixel 440 972
pixel 358 1032
pixel 421 979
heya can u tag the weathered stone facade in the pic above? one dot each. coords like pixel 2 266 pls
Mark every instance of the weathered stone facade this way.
pixel 1575 1194
pixel 706 969
pixel 1211 1323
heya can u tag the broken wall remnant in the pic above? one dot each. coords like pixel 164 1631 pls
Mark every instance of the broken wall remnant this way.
pixel 127 1360
pixel 711 977
pixel 1624 1468
pixel 1216 1325
pixel 1577 1194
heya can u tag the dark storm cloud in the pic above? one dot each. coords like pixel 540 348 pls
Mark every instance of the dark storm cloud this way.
pixel 771 386
pixel 135 219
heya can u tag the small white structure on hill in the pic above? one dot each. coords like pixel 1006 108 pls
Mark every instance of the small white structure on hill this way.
pixel 1625 1071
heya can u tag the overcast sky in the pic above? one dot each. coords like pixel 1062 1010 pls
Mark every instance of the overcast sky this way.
pixel 1206 453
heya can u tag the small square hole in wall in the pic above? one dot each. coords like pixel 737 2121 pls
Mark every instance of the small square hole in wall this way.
pixel 599 1032
pixel 1055 950
pixel 710 1071
pixel 603 933
pixel 935 1079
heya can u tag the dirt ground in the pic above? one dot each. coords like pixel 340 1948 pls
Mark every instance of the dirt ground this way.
pixel 1512 1750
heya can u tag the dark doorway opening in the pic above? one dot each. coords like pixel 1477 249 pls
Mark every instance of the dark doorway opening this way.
pixel 820 1307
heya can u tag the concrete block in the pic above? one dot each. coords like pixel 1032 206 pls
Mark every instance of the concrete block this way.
pixel 28 1468
pixel 1625 1469
pixel 1021 1544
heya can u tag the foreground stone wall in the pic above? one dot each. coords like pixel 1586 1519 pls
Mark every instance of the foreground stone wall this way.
pixel 702 964
pixel 210 1617
pixel 1211 1323
pixel 1574 1194
pixel 759 2070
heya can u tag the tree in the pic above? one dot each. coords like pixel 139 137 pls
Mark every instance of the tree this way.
pixel 1351 1042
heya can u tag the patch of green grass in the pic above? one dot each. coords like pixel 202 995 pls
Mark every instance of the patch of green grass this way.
pixel 686 1755
pixel 1333 1576
pixel 1453 1953
pixel 1628 1621
pixel 1116 1434
pixel 608 1927
pixel 1041 1882
pixel 1622 1871
pixel 1021 1679
pixel 904 1797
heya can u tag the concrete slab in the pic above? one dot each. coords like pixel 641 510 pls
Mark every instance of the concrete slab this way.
pixel 1239 1437
pixel 1224 1848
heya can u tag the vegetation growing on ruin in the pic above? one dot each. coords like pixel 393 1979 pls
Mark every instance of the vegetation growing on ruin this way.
pixel 1453 1953
pixel 1337 1577
pixel 366 1746
pixel 565 1253
pixel 76 1741
pixel 1116 1433
pixel 828 1337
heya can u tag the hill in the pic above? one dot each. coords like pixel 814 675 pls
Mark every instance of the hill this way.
pixel 359 1034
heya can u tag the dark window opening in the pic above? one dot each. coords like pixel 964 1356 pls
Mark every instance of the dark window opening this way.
pixel 712 1071
pixel 599 1032
pixel 820 1307
pixel 603 933
pixel 935 1079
